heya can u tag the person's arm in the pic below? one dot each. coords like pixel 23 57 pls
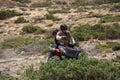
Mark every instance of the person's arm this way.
pixel 58 37
pixel 72 41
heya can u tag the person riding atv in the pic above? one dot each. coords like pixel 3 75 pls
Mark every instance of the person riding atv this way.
pixel 65 44
pixel 64 37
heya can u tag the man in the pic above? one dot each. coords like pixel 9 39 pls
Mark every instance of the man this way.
pixel 66 43
pixel 64 37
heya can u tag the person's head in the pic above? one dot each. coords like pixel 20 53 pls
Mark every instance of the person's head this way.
pixel 63 27
pixel 54 31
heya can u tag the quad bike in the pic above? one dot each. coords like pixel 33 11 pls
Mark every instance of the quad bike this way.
pixel 61 52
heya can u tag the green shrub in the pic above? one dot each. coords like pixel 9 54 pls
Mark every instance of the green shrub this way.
pixel 32 29
pixel 102 47
pixel 97 15
pixel 52 17
pixel 102 32
pixel 29 29
pixel 117 59
pixel 44 4
pixel 17 42
pixel 78 3
pixel 40 31
pixel 105 1
pixel 58 11
pixel 82 69
pixel 21 20
pixel 110 45
pixel 112 1
pixel 7 78
pixel 22 1
pixel 110 18
pixel 114 45
pixel 4 14
pixel 115 8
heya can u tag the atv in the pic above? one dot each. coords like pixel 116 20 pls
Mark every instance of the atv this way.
pixel 61 51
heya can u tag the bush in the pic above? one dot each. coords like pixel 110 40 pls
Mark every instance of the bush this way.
pixel 110 18
pixel 101 32
pixel 58 11
pixel 44 4
pixel 17 42
pixel 97 15
pixel 22 1
pixel 82 3
pixel 110 45
pixel 21 20
pixel 40 31
pixel 99 2
pixel 7 78
pixel 82 69
pixel 114 45
pixel 32 29
pixel 29 29
pixel 115 8
pixel 52 17
pixel 4 14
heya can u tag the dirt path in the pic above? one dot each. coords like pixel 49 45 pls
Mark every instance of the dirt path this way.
pixel 15 66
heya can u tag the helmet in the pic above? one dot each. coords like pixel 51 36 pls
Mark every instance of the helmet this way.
pixel 63 27
pixel 54 31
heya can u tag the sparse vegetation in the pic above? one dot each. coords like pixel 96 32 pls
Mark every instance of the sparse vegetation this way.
pixel 29 29
pixel 78 3
pixel 102 32
pixel 4 14
pixel 21 20
pixel 110 45
pixel 7 78
pixel 84 68
pixel 17 42
pixel 32 29
pixel 115 8
pixel 58 11
pixel 22 1
pixel 52 17
pixel 39 4
pixel 40 31
pixel 110 18
pixel 97 15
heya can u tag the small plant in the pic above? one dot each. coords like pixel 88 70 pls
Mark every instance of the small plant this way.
pixel 98 31
pixel 110 18
pixel 39 4
pixel 78 3
pixel 40 31
pixel 22 1
pixel 115 8
pixel 5 77
pixel 32 29
pixel 21 20
pixel 109 45
pixel 29 29
pixel 58 11
pixel 17 42
pixel 97 15
pixel 4 14
pixel 114 45
pixel 52 17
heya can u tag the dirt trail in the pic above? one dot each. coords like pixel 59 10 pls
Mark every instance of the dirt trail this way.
pixel 15 66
